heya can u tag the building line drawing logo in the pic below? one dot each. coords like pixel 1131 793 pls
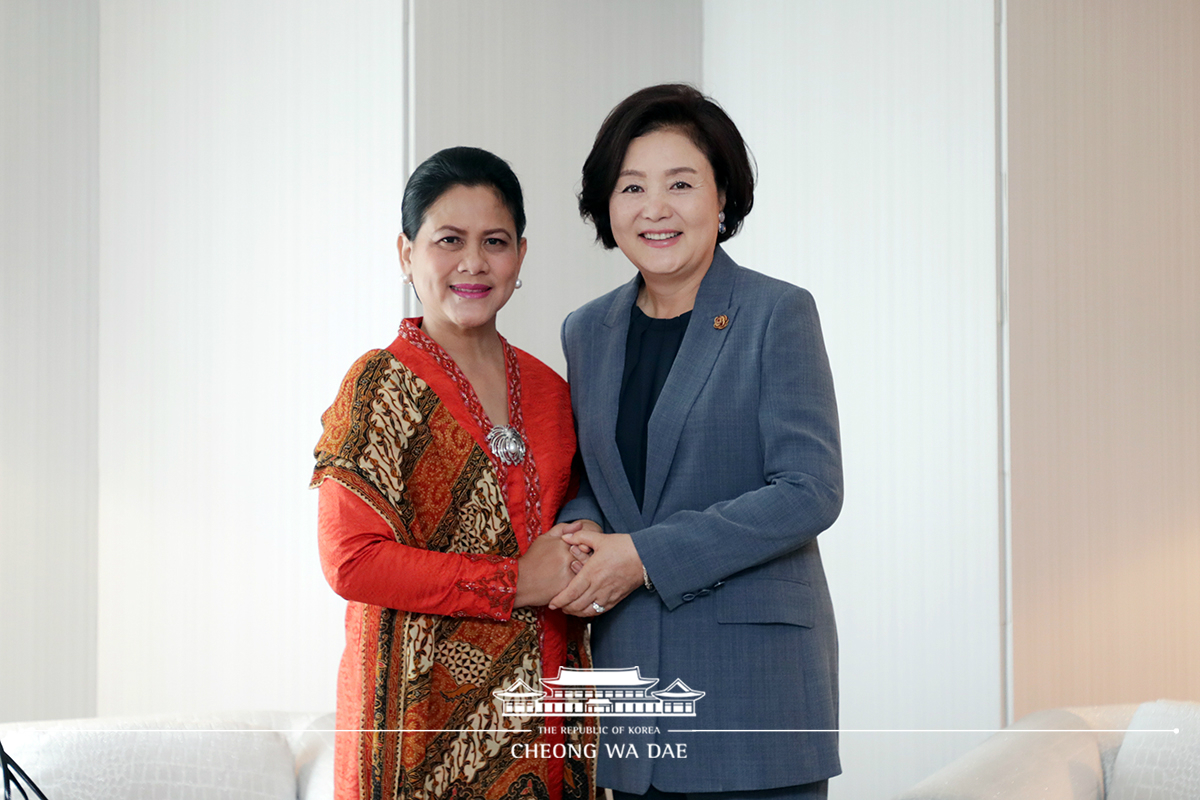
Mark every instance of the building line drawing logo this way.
pixel 613 692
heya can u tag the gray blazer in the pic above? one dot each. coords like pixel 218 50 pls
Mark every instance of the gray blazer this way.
pixel 743 471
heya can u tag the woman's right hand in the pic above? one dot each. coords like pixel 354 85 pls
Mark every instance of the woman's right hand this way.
pixel 545 568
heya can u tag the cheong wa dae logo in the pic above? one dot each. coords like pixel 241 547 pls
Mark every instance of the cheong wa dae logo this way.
pixel 620 692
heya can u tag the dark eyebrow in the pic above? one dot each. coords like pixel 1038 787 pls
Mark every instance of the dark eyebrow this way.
pixel 671 172
pixel 462 232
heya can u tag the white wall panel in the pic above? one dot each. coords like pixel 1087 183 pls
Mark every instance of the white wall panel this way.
pixel 532 81
pixel 873 124
pixel 250 171
pixel 48 385
pixel 250 175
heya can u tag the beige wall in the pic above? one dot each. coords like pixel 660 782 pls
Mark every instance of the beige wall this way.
pixel 1104 238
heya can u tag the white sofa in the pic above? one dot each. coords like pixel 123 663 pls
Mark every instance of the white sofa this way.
pixel 250 756
pixel 1116 752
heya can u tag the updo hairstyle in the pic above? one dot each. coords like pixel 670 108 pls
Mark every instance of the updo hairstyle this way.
pixel 459 166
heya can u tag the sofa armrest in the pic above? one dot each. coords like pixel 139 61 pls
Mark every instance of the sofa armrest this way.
pixel 220 756
pixel 146 758
pixel 1048 754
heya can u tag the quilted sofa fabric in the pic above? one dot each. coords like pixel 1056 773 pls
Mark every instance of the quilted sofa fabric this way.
pixel 1155 765
pixel 258 756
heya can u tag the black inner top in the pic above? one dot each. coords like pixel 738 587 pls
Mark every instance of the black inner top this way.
pixel 650 351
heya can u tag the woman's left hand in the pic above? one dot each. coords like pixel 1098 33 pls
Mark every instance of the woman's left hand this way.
pixel 611 572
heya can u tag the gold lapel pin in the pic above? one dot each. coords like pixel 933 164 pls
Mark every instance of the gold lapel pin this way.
pixel 721 322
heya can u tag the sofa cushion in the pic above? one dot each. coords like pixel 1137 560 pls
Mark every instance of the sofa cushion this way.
pixel 149 758
pixel 1152 765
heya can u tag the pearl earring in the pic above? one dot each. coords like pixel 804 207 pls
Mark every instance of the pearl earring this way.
pixel 721 222
pixel 518 283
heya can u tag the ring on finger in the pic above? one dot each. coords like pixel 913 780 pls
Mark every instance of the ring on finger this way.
pixel 599 609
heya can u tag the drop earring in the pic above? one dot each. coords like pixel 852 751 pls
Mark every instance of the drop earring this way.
pixel 721 222
pixel 410 303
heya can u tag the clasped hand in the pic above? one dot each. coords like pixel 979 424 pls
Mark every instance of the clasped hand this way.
pixel 544 569
pixel 607 568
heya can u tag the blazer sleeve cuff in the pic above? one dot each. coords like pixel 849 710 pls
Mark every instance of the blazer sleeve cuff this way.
pixel 656 561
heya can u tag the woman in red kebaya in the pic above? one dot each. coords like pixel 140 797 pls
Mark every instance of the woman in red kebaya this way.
pixel 442 465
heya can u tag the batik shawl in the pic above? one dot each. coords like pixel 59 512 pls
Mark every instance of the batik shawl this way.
pixel 404 437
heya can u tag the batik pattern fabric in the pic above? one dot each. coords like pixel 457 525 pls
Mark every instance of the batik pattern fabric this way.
pixel 417 717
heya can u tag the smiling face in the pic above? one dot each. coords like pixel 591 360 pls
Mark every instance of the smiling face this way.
pixel 664 208
pixel 465 260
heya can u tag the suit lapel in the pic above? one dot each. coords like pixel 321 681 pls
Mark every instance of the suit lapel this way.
pixel 603 401
pixel 706 334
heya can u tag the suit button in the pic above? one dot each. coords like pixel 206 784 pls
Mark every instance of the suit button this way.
pixel 688 597
pixel 704 592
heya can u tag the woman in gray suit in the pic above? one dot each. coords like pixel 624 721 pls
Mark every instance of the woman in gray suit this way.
pixel 709 439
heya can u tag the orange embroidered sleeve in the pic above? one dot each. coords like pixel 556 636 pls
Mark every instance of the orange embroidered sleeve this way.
pixel 364 563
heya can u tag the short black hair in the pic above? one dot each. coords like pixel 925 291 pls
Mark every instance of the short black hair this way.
pixel 459 166
pixel 668 106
